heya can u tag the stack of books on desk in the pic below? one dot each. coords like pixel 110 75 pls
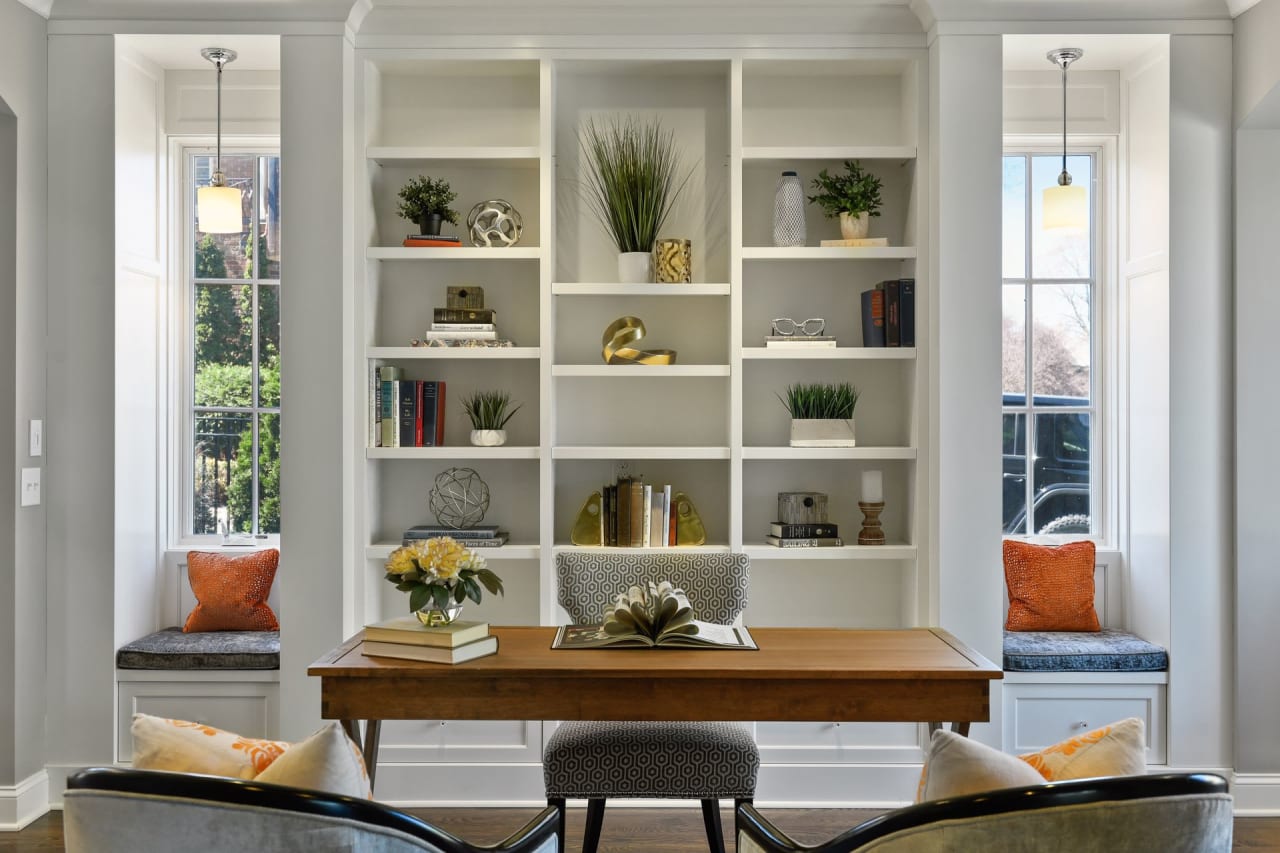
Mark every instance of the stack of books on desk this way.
pixel 408 639
pixel 822 535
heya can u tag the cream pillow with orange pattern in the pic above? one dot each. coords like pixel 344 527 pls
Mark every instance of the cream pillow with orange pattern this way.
pixel 956 766
pixel 325 761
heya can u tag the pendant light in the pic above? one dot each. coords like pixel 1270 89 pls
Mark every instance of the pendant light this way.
pixel 218 207
pixel 1065 206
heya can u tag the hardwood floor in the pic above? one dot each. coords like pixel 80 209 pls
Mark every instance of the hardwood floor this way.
pixel 632 830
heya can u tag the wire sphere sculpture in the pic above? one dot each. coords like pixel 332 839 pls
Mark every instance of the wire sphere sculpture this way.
pixel 495 223
pixel 459 498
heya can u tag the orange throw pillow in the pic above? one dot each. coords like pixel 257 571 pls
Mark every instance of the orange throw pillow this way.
pixel 231 591
pixel 1050 589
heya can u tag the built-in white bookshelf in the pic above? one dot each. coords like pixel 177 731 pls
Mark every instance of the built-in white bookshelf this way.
pixel 711 424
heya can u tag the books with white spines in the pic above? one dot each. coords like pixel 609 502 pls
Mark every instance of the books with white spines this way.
pixel 463 327
pixel 859 241
pixel 408 631
pixel 646 538
pixel 655 523
pixel 430 654
pixel 490 335
pixel 815 542
pixel 797 342
pixel 666 515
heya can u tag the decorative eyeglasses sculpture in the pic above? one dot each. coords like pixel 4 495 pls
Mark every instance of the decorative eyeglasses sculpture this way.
pixel 786 327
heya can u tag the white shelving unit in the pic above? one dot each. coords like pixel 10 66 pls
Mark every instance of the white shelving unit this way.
pixel 503 125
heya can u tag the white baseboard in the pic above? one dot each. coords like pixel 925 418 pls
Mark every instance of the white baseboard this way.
pixel 22 803
pixel 1256 794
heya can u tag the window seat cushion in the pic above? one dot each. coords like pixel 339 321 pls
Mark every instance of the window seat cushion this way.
pixel 1107 650
pixel 172 649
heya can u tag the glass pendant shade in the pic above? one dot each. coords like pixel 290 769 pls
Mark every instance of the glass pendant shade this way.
pixel 1065 207
pixel 218 210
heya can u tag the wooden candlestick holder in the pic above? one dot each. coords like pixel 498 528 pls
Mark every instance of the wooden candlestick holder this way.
pixel 871 533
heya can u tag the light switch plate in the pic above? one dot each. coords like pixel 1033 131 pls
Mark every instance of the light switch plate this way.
pixel 30 486
pixel 37 438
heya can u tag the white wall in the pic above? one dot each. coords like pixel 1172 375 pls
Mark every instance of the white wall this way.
pixel 1201 570
pixel 250 103
pixel 1256 60
pixel 313 142
pixel 1033 102
pixel 23 95
pixel 965 130
pixel 141 233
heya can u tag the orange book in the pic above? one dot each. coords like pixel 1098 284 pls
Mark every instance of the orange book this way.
pixel 420 244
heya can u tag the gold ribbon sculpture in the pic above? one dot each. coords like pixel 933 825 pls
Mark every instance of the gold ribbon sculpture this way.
pixel 617 340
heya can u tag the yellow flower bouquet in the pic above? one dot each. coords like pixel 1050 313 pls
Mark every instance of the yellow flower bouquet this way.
pixel 439 575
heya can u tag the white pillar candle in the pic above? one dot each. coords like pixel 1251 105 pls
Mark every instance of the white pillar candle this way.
pixel 872 486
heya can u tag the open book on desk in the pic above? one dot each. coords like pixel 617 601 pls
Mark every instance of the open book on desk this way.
pixel 657 614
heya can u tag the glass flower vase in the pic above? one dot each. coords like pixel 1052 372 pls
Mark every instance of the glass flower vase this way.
pixel 434 617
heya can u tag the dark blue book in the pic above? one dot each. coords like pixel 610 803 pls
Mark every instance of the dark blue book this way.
pixel 907 295
pixel 892 314
pixel 873 318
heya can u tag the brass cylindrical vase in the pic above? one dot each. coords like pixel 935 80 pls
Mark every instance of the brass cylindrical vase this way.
pixel 673 261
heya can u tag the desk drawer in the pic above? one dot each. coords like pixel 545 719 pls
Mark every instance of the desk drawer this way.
pixel 1038 715
pixel 820 743
pixel 464 741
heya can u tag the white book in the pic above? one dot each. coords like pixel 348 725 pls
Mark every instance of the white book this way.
pixel 798 344
pixel 463 327
pixel 462 336
pixel 375 405
pixel 655 512
pixel 666 516
pixel 648 516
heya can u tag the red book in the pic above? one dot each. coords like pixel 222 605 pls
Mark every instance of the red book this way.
pixel 440 415
pixel 671 529
pixel 431 244
pixel 417 423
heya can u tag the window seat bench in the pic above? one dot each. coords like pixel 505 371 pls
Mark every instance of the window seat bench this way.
pixel 171 649
pixel 1107 650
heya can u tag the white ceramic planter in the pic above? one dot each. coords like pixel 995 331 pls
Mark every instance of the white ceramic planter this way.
pixel 821 432
pixel 633 267
pixel 854 227
pixel 488 437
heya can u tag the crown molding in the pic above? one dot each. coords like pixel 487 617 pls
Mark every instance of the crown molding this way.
pixel 40 7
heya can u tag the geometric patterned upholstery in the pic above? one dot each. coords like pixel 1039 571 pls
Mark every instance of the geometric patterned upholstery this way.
pixel 675 761
pixel 173 649
pixel 717 584
pixel 1107 650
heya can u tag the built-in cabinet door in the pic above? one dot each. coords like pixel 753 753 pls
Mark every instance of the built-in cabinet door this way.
pixel 460 741
pixel 840 743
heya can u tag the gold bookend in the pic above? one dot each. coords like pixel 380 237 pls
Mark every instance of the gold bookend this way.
pixel 617 340
pixel 689 529
pixel 586 530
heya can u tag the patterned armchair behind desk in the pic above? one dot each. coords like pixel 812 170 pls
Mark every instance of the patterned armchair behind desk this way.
pixel 599 760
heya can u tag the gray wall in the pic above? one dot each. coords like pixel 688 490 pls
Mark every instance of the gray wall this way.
pixel 23 193
pixel 311 389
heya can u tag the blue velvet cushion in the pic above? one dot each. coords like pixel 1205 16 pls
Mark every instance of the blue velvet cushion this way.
pixel 1107 650
pixel 172 649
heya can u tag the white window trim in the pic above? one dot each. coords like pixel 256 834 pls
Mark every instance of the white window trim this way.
pixel 1107 389
pixel 175 455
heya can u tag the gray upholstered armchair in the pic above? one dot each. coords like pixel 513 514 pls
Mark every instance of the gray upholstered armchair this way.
pixel 1175 813
pixel 111 810
pixel 697 761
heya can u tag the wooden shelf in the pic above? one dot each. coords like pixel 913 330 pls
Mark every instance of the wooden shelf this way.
pixel 393 155
pixel 460 452
pixel 825 152
pixel 832 253
pixel 490 353
pixel 462 253
pixel 890 551
pixel 639 371
pixel 566 547
pixel 639 452
pixel 829 353
pixel 615 289
pixel 795 453
pixel 517 551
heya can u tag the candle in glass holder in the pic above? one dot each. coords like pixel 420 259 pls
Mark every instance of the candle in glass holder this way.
pixel 872 486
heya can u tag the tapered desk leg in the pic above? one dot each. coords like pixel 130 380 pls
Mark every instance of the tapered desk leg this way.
pixel 961 729
pixel 372 733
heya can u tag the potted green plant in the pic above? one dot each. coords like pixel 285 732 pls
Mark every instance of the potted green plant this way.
pixel 633 178
pixel 853 196
pixel 821 414
pixel 489 412
pixel 425 202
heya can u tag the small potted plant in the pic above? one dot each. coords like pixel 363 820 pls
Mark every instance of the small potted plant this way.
pixel 821 414
pixel 853 196
pixel 425 202
pixel 489 413
pixel 440 575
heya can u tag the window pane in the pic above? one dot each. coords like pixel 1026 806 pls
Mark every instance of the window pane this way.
pixel 1015 474
pixel 1015 217
pixel 269 218
pixel 1060 342
pixel 223 344
pixel 1059 252
pixel 226 255
pixel 269 345
pixel 219 446
pixel 1014 352
pixel 268 473
pixel 1061 474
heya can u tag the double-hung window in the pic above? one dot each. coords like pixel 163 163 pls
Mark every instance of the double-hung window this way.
pixel 1050 322
pixel 231 373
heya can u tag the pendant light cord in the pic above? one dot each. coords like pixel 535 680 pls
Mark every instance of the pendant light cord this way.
pixel 222 181
pixel 1064 116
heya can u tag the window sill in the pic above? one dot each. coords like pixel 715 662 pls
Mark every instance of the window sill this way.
pixel 214 543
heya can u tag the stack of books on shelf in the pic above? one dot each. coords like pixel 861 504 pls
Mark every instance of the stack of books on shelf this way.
pixel 407 638
pixel 889 314
pixel 803 535
pixel 405 412
pixel 480 536
pixel 431 241
pixel 799 341
pixel 856 242
pixel 637 515
pixel 464 321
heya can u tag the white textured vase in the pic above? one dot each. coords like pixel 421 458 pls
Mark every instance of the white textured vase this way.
pixel 822 432
pixel 488 437
pixel 854 227
pixel 633 267
pixel 788 211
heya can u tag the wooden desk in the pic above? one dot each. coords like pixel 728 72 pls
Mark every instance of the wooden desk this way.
pixel 799 674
